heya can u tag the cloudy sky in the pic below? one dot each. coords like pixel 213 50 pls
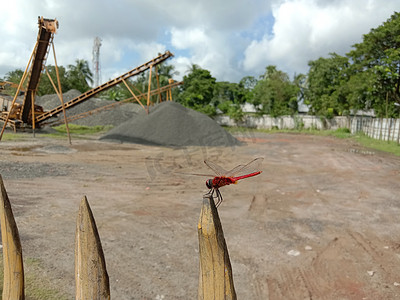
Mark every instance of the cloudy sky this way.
pixel 230 38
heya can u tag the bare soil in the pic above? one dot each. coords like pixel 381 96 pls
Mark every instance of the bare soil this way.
pixel 320 222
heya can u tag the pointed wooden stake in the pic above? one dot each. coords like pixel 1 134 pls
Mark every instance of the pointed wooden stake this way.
pixel 13 285
pixel 91 276
pixel 216 279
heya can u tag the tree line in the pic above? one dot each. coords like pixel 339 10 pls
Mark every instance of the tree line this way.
pixel 78 76
pixel 366 78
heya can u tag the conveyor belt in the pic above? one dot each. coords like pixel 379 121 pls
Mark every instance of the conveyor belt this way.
pixel 100 88
pixel 114 104
pixel 47 28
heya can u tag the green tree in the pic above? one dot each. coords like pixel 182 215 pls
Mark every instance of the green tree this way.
pixel 300 81
pixel 197 91
pixel 276 94
pixel 139 82
pixel 166 72
pixel 45 87
pixel 327 86
pixel 376 68
pixel 228 91
pixel 116 93
pixel 248 83
pixel 231 109
pixel 79 75
pixel 228 97
pixel 14 76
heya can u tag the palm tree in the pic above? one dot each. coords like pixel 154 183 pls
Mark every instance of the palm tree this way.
pixel 192 68
pixel 166 72
pixel 80 75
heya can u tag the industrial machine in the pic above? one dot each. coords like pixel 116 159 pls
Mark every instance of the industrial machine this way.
pixel 27 114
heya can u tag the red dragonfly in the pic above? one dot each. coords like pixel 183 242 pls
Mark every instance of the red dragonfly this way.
pixel 230 177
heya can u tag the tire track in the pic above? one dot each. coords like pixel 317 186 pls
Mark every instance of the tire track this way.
pixel 351 266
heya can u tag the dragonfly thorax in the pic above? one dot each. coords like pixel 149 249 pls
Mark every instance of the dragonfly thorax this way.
pixel 219 181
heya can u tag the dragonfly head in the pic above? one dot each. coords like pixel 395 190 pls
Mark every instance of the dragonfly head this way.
pixel 209 184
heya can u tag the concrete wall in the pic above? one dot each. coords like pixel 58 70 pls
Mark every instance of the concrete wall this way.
pixel 286 122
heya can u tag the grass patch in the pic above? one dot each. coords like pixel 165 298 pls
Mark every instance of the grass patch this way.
pixel 386 146
pixel 366 141
pixel 37 287
pixel 339 133
pixel 60 132
pixel 8 136
pixel 80 129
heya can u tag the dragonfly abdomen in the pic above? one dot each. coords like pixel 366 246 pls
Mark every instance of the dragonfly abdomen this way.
pixel 246 176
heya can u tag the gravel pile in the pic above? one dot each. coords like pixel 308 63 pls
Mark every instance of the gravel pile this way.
pixel 167 124
pixel 51 101
pixel 113 117
pixel 171 124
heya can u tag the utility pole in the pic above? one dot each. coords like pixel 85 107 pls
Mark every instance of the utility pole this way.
pixel 96 61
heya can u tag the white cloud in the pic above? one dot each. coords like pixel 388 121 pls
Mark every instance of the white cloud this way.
pixel 232 38
pixel 182 65
pixel 304 30
pixel 208 49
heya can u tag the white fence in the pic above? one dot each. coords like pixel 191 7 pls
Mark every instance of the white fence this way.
pixel 382 129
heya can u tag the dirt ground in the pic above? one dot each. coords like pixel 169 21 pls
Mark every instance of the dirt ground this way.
pixel 320 222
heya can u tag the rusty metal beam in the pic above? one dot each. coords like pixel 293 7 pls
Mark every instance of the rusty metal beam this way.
pixel 116 104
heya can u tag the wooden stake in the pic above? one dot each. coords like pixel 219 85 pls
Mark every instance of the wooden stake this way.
pixel 33 111
pixel 60 95
pixel 149 89
pixel 216 279
pixel 133 94
pixel 158 86
pixel 13 285
pixel 91 276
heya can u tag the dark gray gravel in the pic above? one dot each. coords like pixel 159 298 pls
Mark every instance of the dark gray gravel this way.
pixel 20 170
pixel 171 124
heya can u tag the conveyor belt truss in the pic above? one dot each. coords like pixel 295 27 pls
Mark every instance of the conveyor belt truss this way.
pixel 100 88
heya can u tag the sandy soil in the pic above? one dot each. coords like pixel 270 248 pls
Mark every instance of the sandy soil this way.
pixel 320 222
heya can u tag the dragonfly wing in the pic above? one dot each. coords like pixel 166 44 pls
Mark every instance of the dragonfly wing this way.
pixel 220 171
pixel 251 167
pixel 195 174
pixel 235 170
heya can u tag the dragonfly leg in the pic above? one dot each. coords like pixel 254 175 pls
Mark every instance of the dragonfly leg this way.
pixel 209 193
pixel 219 197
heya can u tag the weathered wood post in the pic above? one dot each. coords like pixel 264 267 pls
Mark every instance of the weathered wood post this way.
pixel 91 276
pixel 215 279
pixel 13 285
